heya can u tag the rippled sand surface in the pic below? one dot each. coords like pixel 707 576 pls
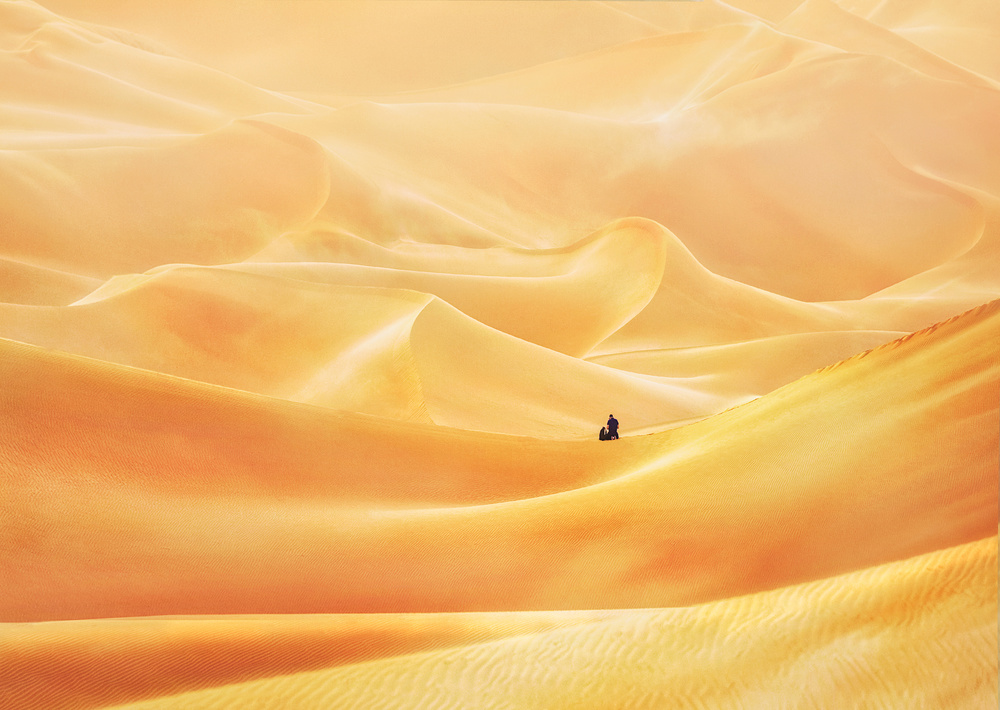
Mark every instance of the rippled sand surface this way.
pixel 310 314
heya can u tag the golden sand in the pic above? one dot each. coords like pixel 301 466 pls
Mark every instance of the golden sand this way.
pixel 310 314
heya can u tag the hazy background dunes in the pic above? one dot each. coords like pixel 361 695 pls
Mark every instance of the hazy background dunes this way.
pixel 310 313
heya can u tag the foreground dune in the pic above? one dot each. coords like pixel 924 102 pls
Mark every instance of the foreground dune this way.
pixel 310 314
pixel 912 618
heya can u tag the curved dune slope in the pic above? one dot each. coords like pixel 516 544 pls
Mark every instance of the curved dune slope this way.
pixel 911 620
pixel 338 48
pixel 211 199
pixel 341 346
pixel 695 307
pixel 963 33
pixel 566 300
pixel 901 146
pixel 54 67
pixel 390 352
pixel 380 351
pixel 645 78
pixel 34 285
pixel 534 391
pixel 827 22
pixel 716 509
pixel 752 368
pixel 900 135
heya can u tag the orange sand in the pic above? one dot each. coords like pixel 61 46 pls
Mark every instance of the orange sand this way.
pixel 310 314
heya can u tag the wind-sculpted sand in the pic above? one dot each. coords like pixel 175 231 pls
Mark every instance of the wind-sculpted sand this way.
pixel 302 366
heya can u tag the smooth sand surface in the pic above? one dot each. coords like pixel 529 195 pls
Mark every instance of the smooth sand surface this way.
pixel 310 314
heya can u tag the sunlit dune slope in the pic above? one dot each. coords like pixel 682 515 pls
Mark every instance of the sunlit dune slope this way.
pixel 672 335
pixel 531 183
pixel 360 48
pixel 878 124
pixel 695 307
pixel 54 67
pixel 535 392
pixel 567 300
pixel 735 503
pixel 633 277
pixel 825 21
pixel 922 631
pixel 644 79
pixel 34 285
pixel 390 352
pixel 899 142
pixel 849 119
pixel 749 369
pixel 911 619
pixel 212 199
pixel 95 663
pixel 345 346
pixel 964 33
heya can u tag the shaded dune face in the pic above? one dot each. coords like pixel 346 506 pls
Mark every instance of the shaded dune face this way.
pixel 301 380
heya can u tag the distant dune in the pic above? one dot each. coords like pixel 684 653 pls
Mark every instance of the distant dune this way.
pixel 310 314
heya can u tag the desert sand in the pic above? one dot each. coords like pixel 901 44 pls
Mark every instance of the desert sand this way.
pixel 310 314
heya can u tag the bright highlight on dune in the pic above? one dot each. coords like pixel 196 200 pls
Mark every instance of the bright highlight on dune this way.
pixel 311 313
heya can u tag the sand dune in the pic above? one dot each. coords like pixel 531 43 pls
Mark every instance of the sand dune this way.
pixel 938 612
pixel 264 335
pixel 742 370
pixel 388 352
pixel 567 299
pixel 321 47
pixel 668 170
pixel 962 33
pixel 53 69
pixel 310 314
pixel 38 286
pixel 320 333
pixel 111 661
pixel 671 518
pixel 211 199
pixel 645 78
pixel 825 21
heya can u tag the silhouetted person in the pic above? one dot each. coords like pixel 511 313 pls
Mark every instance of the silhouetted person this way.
pixel 612 427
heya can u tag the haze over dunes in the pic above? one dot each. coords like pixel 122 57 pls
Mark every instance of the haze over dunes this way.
pixel 310 314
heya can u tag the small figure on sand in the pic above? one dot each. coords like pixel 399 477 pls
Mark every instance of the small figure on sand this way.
pixel 611 430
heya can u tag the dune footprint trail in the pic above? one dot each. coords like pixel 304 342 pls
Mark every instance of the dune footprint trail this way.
pixel 302 368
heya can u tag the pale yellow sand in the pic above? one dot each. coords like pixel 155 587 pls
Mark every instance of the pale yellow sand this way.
pixel 310 314
pixel 900 635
